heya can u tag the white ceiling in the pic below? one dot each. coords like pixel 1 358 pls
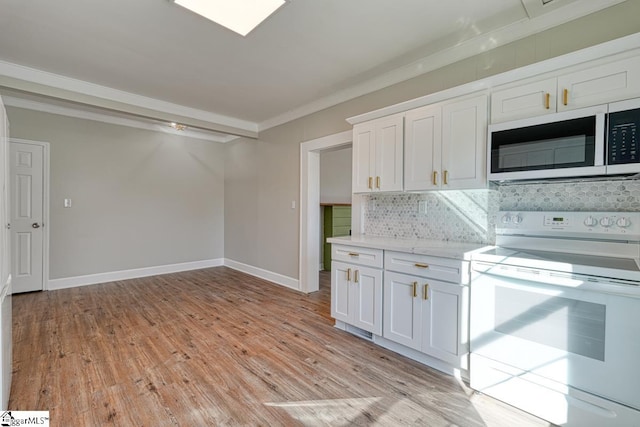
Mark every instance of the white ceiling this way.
pixel 309 55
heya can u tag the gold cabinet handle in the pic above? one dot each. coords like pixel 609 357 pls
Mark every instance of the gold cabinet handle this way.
pixel 415 289
pixel 547 100
pixel 435 178
pixel 354 254
pixel 565 97
pixel 420 265
pixel 445 177
pixel 348 274
pixel 356 276
pixel 425 292
pixel 370 183
pixel 378 182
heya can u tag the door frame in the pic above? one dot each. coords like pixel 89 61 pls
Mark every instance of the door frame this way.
pixel 309 254
pixel 46 167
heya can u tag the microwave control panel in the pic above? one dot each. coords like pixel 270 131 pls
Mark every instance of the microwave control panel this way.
pixel 623 143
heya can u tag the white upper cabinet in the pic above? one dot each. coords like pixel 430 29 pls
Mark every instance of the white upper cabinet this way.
pixel 610 82
pixel 533 99
pixel 464 143
pixel 445 145
pixel 423 143
pixel 377 155
pixel 613 81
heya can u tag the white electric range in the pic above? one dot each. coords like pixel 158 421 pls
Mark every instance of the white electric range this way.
pixel 555 316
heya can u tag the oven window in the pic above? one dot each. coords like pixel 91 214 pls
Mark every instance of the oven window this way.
pixel 566 324
pixel 565 144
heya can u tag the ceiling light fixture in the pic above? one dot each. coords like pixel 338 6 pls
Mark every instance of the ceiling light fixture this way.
pixel 177 126
pixel 241 16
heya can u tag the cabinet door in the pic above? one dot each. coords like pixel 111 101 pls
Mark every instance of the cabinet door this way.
pixel 363 157
pixel 444 330
pixel 529 100
pixel 367 299
pixel 422 156
pixel 598 85
pixel 340 290
pixel 388 153
pixel 464 136
pixel 402 309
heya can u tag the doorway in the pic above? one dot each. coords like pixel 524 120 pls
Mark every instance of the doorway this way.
pixel 309 205
pixel 29 214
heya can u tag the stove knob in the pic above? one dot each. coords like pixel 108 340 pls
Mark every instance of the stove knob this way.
pixel 516 219
pixel 606 222
pixel 590 221
pixel 623 222
pixel 506 219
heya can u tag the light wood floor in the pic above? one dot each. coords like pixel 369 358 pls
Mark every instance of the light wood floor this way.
pixel 218 347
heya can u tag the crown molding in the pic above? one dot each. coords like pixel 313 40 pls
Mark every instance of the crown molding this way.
pixel 15 76
pixel 78 113
pixel 477 45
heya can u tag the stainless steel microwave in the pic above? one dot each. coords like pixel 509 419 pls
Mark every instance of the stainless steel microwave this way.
pixel 567 144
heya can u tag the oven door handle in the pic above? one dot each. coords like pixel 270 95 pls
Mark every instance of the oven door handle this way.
pixel 555 279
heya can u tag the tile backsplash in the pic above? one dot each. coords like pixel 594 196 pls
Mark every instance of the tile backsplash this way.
pixel 459 216
pixel 469 215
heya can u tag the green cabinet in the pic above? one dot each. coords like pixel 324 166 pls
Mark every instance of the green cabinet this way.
pixel 337 222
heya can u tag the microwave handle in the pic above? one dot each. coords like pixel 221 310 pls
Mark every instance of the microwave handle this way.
pixel 600 142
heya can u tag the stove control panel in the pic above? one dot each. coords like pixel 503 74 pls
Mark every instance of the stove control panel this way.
pixel 610 225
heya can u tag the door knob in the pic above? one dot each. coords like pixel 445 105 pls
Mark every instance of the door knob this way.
pixel 35 225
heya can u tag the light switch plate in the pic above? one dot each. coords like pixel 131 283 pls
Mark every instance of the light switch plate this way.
pixel 67 203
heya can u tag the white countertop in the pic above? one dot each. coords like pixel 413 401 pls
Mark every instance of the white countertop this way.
pixel 454 250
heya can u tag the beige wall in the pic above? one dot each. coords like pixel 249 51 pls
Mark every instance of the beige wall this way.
pixel 267 172
pixel 335 176
pixel 140 198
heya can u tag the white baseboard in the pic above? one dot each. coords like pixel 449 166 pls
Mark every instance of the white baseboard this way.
pixel 280 279
pixel 92 279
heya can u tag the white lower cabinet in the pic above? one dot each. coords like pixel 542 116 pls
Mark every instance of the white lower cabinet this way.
pixel 426 305
pixel 426 315
pixel 423 305
pixel 356 290
pixel 444 322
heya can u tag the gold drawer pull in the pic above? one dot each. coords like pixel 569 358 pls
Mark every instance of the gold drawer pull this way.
pixel 420 265
pixel 348 274
pixel 565 97
pixel 370 183
pixel 377 182
pixel 354 254
pixel 446 178
pixel 356 276
pixel 425 293
pixel 435 178
pixel 415 289
pixel 547 100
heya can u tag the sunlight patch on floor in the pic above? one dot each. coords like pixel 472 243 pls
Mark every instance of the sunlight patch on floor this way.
pixel 332 412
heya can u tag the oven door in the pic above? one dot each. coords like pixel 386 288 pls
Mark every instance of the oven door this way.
pixel 560 145
pixel 584 339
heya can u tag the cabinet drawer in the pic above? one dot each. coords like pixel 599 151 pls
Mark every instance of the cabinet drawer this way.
pixel 357 255
pixel 449 270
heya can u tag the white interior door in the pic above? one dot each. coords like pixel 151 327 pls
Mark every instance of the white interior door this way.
pixel 27 236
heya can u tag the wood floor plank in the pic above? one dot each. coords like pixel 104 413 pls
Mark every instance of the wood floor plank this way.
pixel 219 347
